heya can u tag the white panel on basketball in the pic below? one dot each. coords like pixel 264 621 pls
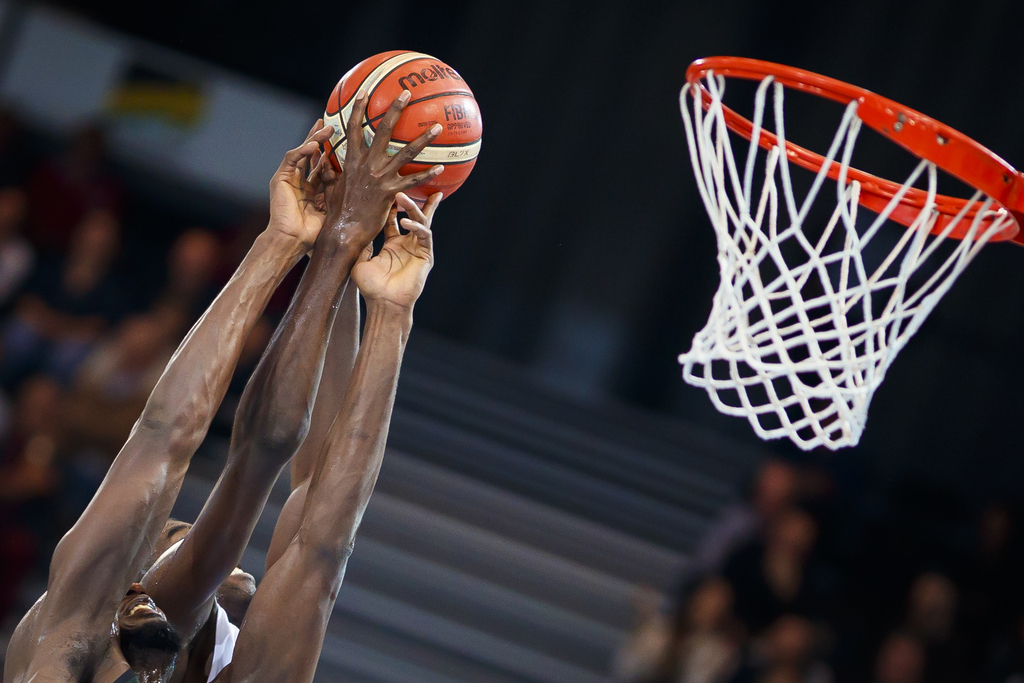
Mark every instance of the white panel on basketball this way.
pixel 441 154
pixel 433 154
pixel 339 141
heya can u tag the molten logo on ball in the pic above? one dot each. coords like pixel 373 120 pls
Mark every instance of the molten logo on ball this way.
pixel 440 95
pixel 431 73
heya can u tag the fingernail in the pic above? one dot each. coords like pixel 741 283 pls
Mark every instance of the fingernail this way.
pixel 404 97
pixel 438 170
pixel 435 129
pixel 361 94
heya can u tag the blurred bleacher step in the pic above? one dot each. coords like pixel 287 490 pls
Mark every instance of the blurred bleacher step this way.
pixel 543 527
pixel 510 528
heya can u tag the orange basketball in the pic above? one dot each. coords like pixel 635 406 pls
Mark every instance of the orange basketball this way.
pixel 439 95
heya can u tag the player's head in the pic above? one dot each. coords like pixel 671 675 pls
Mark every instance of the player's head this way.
pixel 235 594
pixel 174 532
pixel 147 639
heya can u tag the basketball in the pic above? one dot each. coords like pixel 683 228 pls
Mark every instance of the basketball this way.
pixel 439 95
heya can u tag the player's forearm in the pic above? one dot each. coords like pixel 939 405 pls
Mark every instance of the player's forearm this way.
pixel 274 413
pixel 347 470
pixel 186 397
pixel 338 363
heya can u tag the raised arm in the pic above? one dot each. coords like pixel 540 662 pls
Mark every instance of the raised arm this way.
pixel 338 362
pixel 274 414
pixel 298 592
pixel 104 552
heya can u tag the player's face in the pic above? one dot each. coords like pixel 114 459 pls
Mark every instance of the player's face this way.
pixel 148 640
pixel 137 611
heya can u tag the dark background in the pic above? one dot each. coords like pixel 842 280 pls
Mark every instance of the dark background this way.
pixel 579 246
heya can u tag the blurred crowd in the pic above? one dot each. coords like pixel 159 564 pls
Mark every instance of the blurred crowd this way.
pixel 88 320
pixel 807 580
pixel 812 580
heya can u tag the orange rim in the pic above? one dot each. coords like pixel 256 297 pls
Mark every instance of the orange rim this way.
pixel 948 148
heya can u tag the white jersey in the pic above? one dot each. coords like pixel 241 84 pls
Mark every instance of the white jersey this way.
pixel 224 643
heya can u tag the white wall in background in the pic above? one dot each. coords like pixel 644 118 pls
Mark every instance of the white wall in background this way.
pixel 246 130
pixel 61 69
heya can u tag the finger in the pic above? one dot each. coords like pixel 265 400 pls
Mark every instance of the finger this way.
pixel 409 152
pixel 387 124
pixel 326 171
pixel 391 226
pixel 422 233
pixel 410 181
pixel 410 207
pixel 433 201
pixel 294 157
pixel 315 177
pixel 316 126
pixel 354 129
pixel 321 134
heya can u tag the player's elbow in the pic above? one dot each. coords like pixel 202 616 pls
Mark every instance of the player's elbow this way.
pixel 275 439
pixel 180 434
pixel 327 562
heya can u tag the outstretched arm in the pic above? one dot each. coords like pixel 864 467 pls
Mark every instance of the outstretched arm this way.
pixel 105 551
pixel 299 591
pixel 338 362
pixel 274 414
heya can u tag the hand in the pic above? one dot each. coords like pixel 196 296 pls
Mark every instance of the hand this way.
pixel 293 189
pixel 371 177
pixel 397 274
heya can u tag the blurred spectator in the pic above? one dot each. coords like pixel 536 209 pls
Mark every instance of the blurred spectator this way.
pixel 707 641
pixel 991 595
pixel 68 303
pixel 931 608
pixel 13 159
pixel 17 257
pixel 790 652
pixel 27 475
pixel 773 490
pixel 1006 659
pixel 774 576
pixel 648 644
pixel 192 267
pixel 702 648
pixel 112 386
pixel 901 659
pixel 931 614
pixel 64 190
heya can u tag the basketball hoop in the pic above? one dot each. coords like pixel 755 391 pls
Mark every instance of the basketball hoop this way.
pixel 805 323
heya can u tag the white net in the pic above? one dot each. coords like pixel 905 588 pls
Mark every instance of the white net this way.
pixel 808 317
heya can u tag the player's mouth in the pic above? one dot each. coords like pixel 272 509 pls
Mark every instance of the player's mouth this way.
pixel 143 608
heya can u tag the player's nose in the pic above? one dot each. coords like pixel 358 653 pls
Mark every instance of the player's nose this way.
pixel 135 589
